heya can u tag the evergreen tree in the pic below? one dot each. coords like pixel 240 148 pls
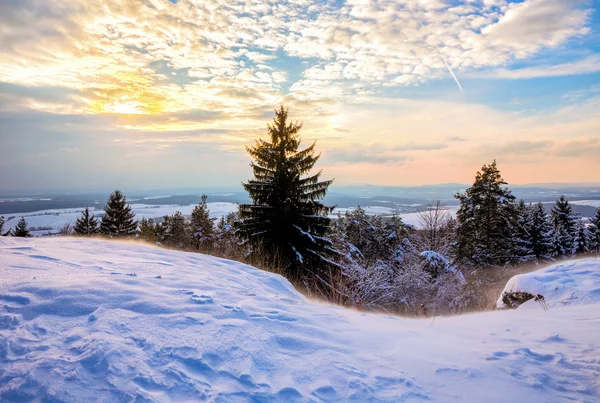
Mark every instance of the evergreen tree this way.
pixel 523 240
pixel 582 241
pixel 148 230
pixel 87 224
pixel 595 232
pixel 21 229
pixel 203 227
pixel 486 221
pixel 540 233
pixel 2 225
pixel 118 220
pixel 175 231
pixel 226 241
pixel 564 221
pixel 286 216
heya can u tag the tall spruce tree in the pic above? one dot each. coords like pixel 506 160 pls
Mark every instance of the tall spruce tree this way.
pixel 21 229
pixel 540 232
pixel 486 220
pixel 595 232
pixel 86 225
pixel 564 222
pixel 286 216
pixel 118 220
pixel 202 226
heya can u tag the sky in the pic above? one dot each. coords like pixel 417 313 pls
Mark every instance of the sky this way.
pixel 167 93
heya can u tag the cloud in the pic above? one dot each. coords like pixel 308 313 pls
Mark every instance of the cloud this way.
pixel 532 24
pixel 156 77
pixel 166 56
pixel 456 139
pixel 524 147
pixel 580 148
pixel 588 65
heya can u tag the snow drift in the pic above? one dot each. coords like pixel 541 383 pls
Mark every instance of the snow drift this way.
pixel 89 320
pixel 568 283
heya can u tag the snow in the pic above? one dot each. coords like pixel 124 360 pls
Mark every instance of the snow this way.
pixel 412 219
pixel 91 320
pixel 592 203
pixel 59 217
pixel 575 282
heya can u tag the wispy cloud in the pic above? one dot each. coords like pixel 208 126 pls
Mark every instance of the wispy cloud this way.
pixel 588 65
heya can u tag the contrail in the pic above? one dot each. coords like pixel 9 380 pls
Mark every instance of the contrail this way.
pixel 446 64
pixel 452 74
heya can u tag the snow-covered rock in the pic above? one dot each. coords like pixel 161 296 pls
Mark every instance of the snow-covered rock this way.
pixel 572 282
pixel 97 321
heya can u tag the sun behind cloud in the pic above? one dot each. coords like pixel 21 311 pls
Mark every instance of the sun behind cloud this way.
pixel 126 108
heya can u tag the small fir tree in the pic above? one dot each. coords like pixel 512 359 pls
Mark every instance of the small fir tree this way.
pixel 564 221
pixel 203 228
pixel 226 241
pixel 523 242
pixel 286 217
pixel 582 239
pixel 175 231
pixel 2 221
pixel 595 232
pixel 86 225
pixel 21 229
pixel 541 233
pixel 148 230
pixel 118 220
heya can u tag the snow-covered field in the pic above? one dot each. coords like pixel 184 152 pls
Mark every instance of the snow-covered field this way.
pixel 59 217
pixel 592 203
pixel 99 321
pixel 408 218
pixel 53 220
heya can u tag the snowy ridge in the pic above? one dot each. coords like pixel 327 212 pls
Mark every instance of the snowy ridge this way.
pixel 568 283
pixel 91 320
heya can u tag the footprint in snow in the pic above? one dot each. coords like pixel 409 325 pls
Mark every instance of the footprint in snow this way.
pixel 202 299
pixel 232 308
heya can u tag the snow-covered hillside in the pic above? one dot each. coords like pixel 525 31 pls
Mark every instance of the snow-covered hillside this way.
pixel 98 321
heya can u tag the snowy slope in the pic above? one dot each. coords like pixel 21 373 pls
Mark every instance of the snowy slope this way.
pixel 567 283
pixel 99 321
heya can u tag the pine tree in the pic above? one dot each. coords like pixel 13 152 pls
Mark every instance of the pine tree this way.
pixel 175 231
pixel 202 226
pixel 286 216
pixel 595 231
pixel 581 244
pixel 21 229
pixel 2 225
pixel 86 225
pixel 226 241
pixel 148 230
pixel 486 221
pixel 118 220
pixel 523 240
pixel 564 221
pixel 540 232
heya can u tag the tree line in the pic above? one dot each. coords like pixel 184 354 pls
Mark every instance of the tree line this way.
pixel 355 259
